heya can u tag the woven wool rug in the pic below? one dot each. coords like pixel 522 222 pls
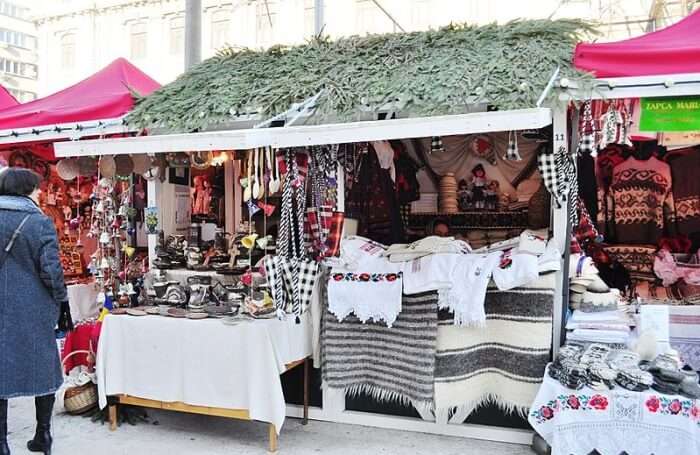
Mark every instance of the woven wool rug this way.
pixel 502 363
pixel 389 364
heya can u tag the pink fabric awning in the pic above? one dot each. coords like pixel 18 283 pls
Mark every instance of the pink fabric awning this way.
pixel 6 99
pixel 672 50
pixel 104 95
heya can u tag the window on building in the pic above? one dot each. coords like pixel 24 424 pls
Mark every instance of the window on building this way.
pixel 12 10
pixel 22 96
pixel 177 36
pixel 266 14
pixel 18 39
pixel 138 40
pixel 68 51
pixel 220 24
pixel 16 68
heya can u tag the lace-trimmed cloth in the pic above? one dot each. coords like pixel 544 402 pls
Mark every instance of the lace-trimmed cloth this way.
pixel 638 423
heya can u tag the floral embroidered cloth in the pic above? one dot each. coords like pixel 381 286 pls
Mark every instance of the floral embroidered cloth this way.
pixel 638 423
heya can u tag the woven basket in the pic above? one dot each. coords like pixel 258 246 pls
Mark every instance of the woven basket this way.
pixel 80 399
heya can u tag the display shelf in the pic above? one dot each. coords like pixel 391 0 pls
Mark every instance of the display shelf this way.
pixel 483 219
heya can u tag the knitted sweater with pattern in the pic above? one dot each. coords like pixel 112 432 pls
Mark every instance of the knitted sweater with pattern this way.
pixel 642 201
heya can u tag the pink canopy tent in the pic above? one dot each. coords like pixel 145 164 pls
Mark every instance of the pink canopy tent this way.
pixel 672 50
pixel 106 94
pixel 6 99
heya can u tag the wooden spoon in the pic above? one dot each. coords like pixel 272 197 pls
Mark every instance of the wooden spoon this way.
pixel 275 184
pixel 256 185
pixel 271 176
pixel 247 193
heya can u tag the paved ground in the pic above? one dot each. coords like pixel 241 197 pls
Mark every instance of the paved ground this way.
pixel 177 433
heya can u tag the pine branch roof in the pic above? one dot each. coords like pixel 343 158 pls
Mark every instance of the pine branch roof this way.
pixel 423 73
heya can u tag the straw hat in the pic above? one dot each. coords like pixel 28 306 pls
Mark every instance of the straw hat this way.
pixel 87 166
pixel 68 169
pixel 124 165
pixel 201 160
pixel 141 163
pixel 108 167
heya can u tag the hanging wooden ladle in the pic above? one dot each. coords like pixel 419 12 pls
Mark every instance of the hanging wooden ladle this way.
pixel 275 182
pixel 247 192
pixel 256 185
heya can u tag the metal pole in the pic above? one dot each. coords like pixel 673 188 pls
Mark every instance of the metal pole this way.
pixel 193 33
pixel 318 17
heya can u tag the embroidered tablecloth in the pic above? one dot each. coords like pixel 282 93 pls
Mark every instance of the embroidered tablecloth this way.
pixel 639 423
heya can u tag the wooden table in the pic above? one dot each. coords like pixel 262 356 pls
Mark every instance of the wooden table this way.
pixel 239 414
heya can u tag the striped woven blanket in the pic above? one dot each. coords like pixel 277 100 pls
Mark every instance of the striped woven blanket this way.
pixel 502 363
pixel 389 364
pixel 684 330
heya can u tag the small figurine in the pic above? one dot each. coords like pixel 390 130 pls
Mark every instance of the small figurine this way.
pixel 464 196
pixel 478 181
pixel 492 195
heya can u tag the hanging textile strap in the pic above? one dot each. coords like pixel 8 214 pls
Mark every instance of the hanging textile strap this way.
pixel 284 238
pixel 567 183
pixel 586 142
pixel 512 152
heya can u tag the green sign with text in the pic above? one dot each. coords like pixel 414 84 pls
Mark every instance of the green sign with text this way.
pixel 670 114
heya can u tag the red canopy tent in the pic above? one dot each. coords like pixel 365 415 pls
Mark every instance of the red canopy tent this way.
pixel 672 50
pixel 6 99
pixel 106 94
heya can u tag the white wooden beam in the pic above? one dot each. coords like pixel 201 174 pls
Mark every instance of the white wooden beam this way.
pixel 637 86
pixel 300 136
pixel 483 432
pixel 65 131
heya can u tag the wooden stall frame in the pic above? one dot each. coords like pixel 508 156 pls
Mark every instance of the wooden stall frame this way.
pixel 238 414
pixel 333 409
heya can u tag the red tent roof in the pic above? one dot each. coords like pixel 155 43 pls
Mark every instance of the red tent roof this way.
pixel 672 50
pixel 104 95
pixel 6 98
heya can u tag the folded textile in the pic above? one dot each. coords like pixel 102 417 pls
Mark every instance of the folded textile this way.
pixel 550 260
pixel 616 316
pixel 461 281
pixel 600 336
pixel 598 326
pixel 516 269
pixel 372 293
pixel 389 364
pixel 354 250
pixel 426 246
pixel 596 302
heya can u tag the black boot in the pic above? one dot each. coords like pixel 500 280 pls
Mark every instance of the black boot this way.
pixel 4 448
pixel 42 438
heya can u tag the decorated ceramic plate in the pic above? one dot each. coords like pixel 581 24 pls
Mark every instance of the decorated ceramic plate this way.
pixel 197 315
pixel 151 310
pixel 135 312
pixel 119 311
pixel 177 312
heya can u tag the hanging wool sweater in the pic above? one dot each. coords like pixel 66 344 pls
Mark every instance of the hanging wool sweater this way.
pixel 686 192
pixel 642 201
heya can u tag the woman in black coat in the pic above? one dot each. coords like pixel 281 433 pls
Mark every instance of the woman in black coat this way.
pixel 32 293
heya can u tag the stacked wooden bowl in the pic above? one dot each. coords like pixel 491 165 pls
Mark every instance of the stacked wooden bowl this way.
pixel 448 194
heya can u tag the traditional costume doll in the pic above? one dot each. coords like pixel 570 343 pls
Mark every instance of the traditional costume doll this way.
pixel 478 182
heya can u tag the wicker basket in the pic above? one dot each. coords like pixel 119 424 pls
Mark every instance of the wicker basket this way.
pixel 80 399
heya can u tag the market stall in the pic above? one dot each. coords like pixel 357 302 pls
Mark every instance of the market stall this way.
pixel 333 183
pixel 94 107
pixel 630 360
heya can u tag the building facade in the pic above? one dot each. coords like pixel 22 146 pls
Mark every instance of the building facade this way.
pixel 19 71
pixel 77 37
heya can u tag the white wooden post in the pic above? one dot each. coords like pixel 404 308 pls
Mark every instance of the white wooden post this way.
pixel 559 226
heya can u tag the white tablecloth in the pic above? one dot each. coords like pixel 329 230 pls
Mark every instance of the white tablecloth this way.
pixel 640 423
pixel 82 299
pixel 201 362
